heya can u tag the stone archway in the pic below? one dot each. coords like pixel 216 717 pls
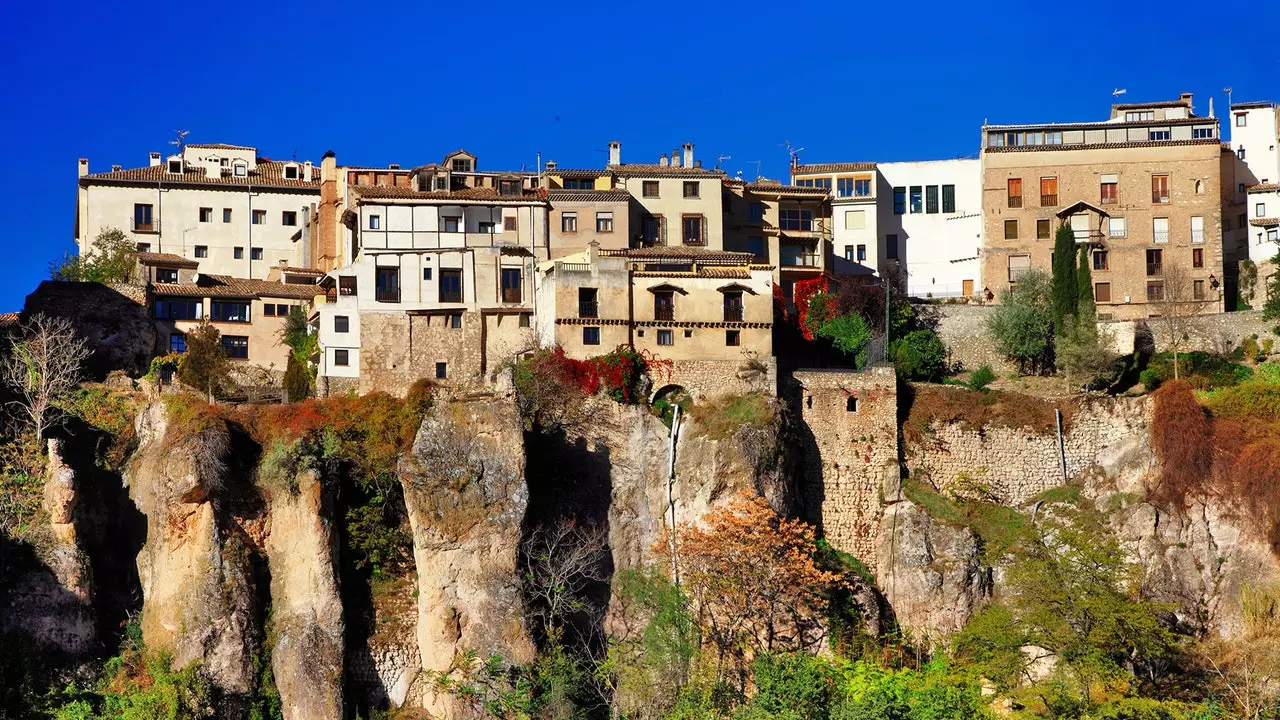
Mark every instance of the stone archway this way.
pixel 667 399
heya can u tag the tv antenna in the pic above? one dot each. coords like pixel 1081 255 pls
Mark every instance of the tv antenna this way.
pixel 793 152
pixel 1119 91
pixel 181 140
pixel 757 164
pixel 720 160
pixel 1227 90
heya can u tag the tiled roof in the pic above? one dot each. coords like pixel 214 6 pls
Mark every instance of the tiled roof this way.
pixel 577 174
pixel 266 174
pixel 1097 146
pixel 150 258
pixel 833 167
pixel 227 286
pixel 1155 104
pixel 1252 105
pixel 787 189
pixel 1098 124
pixel 588 195
pixel 486 195
pixel 218 146
pixel 301 271
pixel 680 252
pixel 1263 187
pixel 8 319
pixel 655 170
pixel 1264 222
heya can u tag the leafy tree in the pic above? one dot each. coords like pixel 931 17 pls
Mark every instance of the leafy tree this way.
pixel 920 355
pixel 1065 293
pixel 297 380
pixel 1084 286
pixel 1083 351
pixel 112 258
pixel 849 334
pixel 1022 325
pixel 44 367
pixel 205 365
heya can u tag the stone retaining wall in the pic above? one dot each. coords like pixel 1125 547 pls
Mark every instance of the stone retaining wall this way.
pixel 719 378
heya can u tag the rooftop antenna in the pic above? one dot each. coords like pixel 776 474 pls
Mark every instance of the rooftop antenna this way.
pixel 1118 92
pixel 1227 90
pixel 181 140
pixel 793 152
pixel 720 160
pixel 757 164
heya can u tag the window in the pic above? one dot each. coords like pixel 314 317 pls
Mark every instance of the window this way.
pixel 451 223
pixel 508 187
pixel 255 253
pixel 442 370
pixel 206 214
pixel 460 165
pixel 288 218
pixel 855 219
pixel 1101 260
pixel 259 217
pixel 1117 227
pixel 1042 229
pixel 238 253
pixel 143 247
pixel 733 338
pixel 664 305
pixel 693 230
pixel 755 211
pixel 1019 265
pixel 175 166
pixel 1197 289
pixel 588 307
pixel 1110 189
pixel 733 307
pixel 1015 192
pixel 455 321
pixel 590 336
pixel 844 187
pixel 1048 192
pixel 347 285
pixel 166 275
pixel 569 222
pixel 1201 133
pixel 796 219
pixel 509 224
pixel 526 319
pixel 862 188
pixel 1260 210
pixel 1162 134
pixel 1155 291
pixel 948 198
pixel 851 404
pixel 179 309
pixel 426 273
pixel 899 200
pixel 291 172
pixel 1241 120
pixel 1160 230
pixel 691 188
pixel 226 215
pixel 1102 292
pixel 341 323
pixel 584 184
pixel 1159 188
pixel 756 246
pixel 1140 116
pixel 653 229
pixel 442 183
pixel 1197 257
pixel 450 285
pixel 862 253
pixel 649 189
pixel 386 287
pixel 142 218
pixel 177 342
pixel 1155 262
pixel 229 311
pixel 1197 228
pixel 201 251
pixel 1010 229
pixel 916 204
pixel 375 222
pixel 240 169
pixel 485 227
pixel 891 247
pixel 604 222
pixel 511 285
pixel 931 199
pixel 341 358
pixel 666 337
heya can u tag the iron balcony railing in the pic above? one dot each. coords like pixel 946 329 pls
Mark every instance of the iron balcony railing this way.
pixel 1154 269
pixel 388 295
pixel 733 313
pixel 1048 200
pixel 588 309
pixel 136 225
pixel 664 312
pixel 1197 236
pixel 1160 237
pixel 1015 201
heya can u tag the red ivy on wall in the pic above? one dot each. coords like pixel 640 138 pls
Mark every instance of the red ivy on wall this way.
pixel 803 293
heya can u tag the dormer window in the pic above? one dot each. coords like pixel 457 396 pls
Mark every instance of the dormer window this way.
pixel 240 169
pixel 442 183
pixel 175 166
pixel 224 162
pixel 291 172
pixel 509 187
pixel 461 165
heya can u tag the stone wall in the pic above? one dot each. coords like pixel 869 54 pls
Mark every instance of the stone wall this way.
pixel 397 348
pixel 963 328
pixel 1012 466
pixel 849 452
pixel 113 319
pixel 719 378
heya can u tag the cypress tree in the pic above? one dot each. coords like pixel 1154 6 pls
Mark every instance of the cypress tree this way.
pixel 1084 286
pixel 1065 296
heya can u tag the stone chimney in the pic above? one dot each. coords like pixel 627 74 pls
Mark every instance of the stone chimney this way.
pixel 393 166
pixel 1185 97
pixel 324 246
pixel 550 166
pixel 306 171
pixel 155 159
pixel 84 167
pixel 688 155
pixel 117 168
pixel 615 153
pixel 675 158
pixel 662 160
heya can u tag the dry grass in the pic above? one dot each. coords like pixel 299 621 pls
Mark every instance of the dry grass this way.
pixel 723 417
pixel 975 410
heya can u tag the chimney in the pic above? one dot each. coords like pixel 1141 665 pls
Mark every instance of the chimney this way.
pixel 117 168
pixel 675 158
pixel 1210 106
pixel 84 167
pixel 550 166
pixel 688 155
pixel 615 153
pixel 662 160
pixel 329 167
pixel 393 166
pixel 1185 97
pixel 155 159
pixel 697 164
pixel 306 171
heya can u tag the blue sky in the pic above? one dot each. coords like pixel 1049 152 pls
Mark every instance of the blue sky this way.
pixel 383 82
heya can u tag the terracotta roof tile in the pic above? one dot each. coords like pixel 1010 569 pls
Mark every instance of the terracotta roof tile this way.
pixel 218 146
pixel 578 173
pixel 488 195
pixel 655 170
pixel 301 271
pixel 833 167
pixel 680 252
pixel 1263 187
pixel 8 319
pixel 1264 222
pixel 1098 146
pixel 1098 124
pixel 786 189
pixel 227 286
pixel 150 259
pixel 1154 104
pixel 1252 105
pixel 588 195
pixel 266 174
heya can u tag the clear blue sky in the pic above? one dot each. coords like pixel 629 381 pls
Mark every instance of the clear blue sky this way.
pixel 381 83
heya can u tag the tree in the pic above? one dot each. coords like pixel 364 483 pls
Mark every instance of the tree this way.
pixel 205 365
pixel 1065 294
pixel 1022 325
pixel 849 334
pixel 1179 312
pixel 112 258
pixel 1084 285
pixel 919 355
pixel 1083 351
pixel 43 366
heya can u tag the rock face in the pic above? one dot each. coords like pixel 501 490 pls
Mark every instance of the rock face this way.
pixel 307 658
pixel 466 496
pixel 198 595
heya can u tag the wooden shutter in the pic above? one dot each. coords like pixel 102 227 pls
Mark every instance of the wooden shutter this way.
pixel 1015 187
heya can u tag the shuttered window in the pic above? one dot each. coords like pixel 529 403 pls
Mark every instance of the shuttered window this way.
pixel 1019 265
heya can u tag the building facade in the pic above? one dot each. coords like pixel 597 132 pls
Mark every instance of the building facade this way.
pixel 1255 140
pixel 221 205
pixel 1142 190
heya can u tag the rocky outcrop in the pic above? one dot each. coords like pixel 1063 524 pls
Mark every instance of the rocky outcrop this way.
pixel 198 595
pixel 306 620
pixel 466 497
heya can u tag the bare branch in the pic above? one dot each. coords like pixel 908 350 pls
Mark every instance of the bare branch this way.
pixel 43 366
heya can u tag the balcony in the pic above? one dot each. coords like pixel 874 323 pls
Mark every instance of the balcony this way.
pixel 793 258
pixel 1015 201
pixel 387 295
pixel 733 313
pixel 588 309
pixel 144 227
pixel 1154 269
pixel 511 295
pixel 1048 201
pixel 1160 236
pixel 664 312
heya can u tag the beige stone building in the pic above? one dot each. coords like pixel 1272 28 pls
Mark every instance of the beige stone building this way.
pixel 788 227
pixel 1143 190
pixel 220 205
pixel 580 217
pixel 709 312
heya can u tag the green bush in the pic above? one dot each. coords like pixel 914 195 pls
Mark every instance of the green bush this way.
pixel 1151 379
pixel 1022 325
pixel 1251 349
pixel 982 377
pixel 920 355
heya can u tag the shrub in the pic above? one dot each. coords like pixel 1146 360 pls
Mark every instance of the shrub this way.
pixel 1179 433
pixel 982 377
pixel 849 334
pixel 205 366
pixel 920 355
pixel 1251 349
pixel 1022 325
pixel 1151 378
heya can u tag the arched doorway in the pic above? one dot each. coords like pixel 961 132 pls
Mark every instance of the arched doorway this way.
pixel 667 399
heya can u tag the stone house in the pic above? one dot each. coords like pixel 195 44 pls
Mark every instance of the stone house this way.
pixel 785 226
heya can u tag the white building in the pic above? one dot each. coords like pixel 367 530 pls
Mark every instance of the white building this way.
pixel 221 205
pixel 925 215
pixel 1255 138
